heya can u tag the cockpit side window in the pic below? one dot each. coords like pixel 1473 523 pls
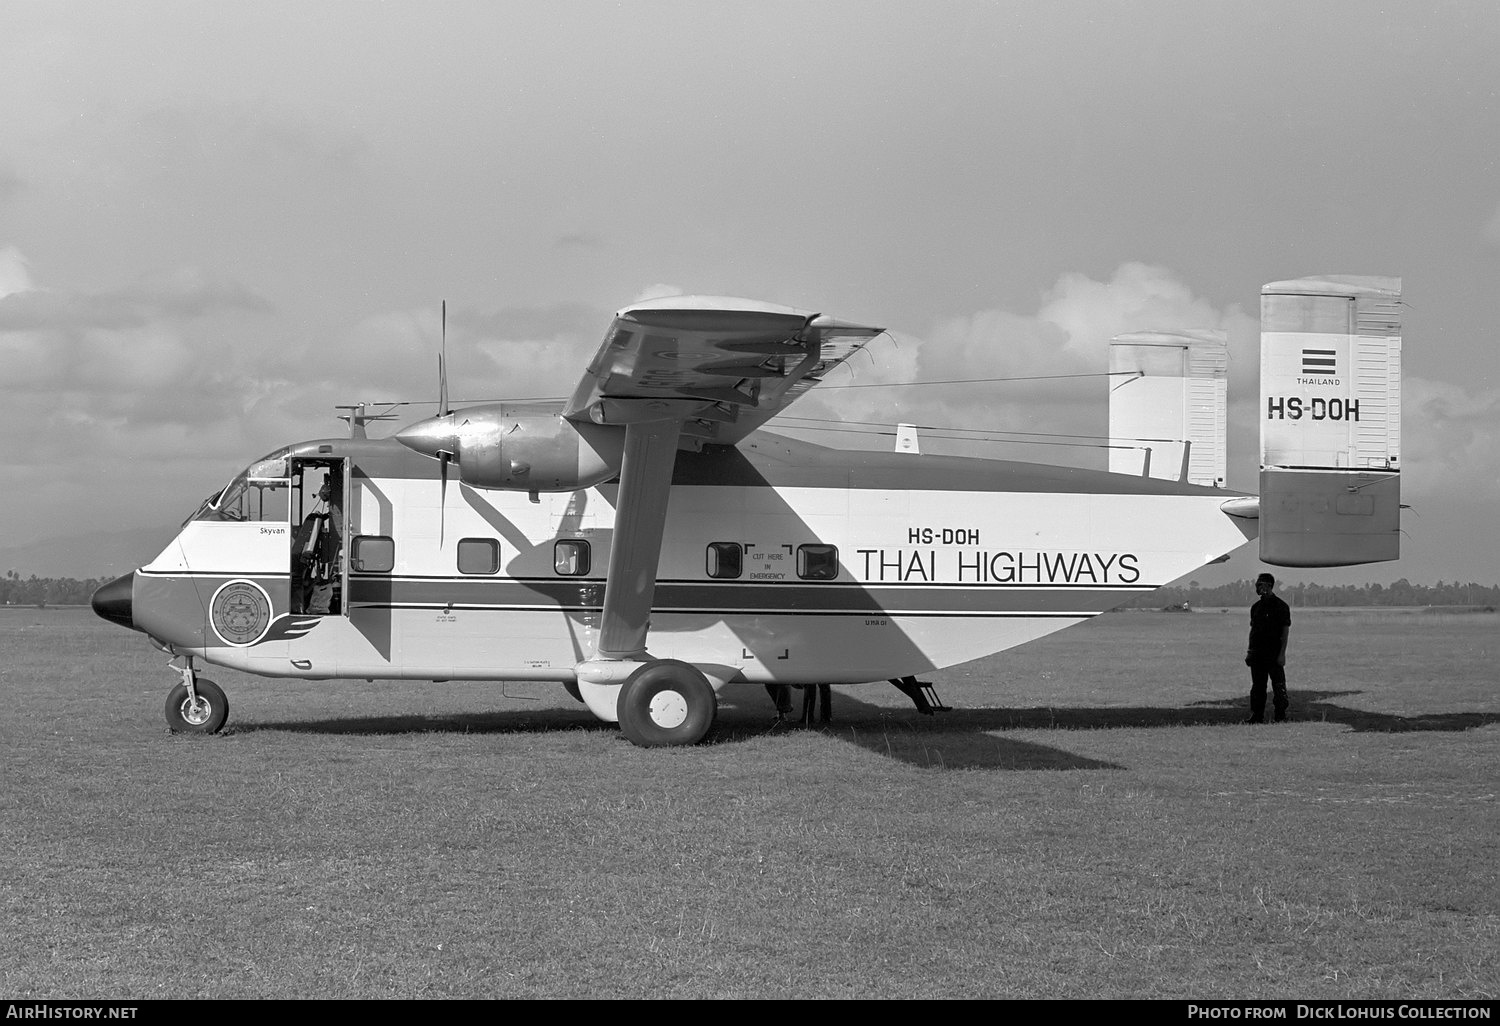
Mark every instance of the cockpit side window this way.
pixel 261 493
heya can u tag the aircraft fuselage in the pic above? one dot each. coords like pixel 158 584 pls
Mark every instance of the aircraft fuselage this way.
pixel 782 561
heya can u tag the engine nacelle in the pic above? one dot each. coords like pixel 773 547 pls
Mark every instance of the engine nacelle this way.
pixel 498 447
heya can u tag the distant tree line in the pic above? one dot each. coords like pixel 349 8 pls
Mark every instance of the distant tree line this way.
pixel 16 590
pixel 1312 596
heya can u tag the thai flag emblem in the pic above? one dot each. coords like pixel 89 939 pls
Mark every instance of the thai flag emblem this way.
pixel 1319 361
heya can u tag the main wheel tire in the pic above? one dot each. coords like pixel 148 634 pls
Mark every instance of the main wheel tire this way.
pixel 206 716
pixel 666 703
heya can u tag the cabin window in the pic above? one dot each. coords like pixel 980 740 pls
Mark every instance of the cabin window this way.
pixel 725 559
pixel 372 554
pixel 478 556
pixel 817 562
pixel 570 557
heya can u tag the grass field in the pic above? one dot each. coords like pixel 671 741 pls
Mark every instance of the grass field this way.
pixel 1091 820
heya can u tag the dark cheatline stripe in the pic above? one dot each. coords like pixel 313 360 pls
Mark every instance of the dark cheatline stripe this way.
pixel 727 598
pixel 721 598
pixel 1075 614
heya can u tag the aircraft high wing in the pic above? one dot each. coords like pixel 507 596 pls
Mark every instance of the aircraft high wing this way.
pixel 721 366
pixel 677 372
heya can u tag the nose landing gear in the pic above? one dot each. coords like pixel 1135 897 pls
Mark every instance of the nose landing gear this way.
pixel 197 705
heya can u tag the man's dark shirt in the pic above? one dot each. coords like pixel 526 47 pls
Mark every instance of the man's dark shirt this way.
pixel 1268 617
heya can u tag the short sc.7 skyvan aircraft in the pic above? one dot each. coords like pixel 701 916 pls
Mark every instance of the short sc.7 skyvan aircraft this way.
pixel 643 544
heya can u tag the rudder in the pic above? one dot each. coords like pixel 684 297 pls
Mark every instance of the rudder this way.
pixel 1330 382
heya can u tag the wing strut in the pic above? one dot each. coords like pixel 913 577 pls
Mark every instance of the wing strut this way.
pixel 640 518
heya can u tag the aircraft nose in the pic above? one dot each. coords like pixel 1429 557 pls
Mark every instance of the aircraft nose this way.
pixel 431 437
pixel 112 601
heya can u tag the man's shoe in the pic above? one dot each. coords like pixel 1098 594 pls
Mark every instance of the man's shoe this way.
pixel 1255 719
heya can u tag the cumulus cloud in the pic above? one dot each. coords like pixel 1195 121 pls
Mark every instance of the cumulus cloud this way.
pixel 90 381
pixel 102 345
pixel 492 354
pixel 15 275
pixel 1451 439
pixel 185 293
pixel 1034 373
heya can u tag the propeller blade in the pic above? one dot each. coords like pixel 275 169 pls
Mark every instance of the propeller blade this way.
pixel 443 366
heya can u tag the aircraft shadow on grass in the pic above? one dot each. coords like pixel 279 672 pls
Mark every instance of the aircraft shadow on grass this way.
pixel 956 739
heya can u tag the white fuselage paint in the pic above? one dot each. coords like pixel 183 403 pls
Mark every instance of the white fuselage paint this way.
pixel 925 579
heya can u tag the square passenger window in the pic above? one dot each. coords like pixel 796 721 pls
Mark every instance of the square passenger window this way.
pixel 570 557
pixel 725 559
pixel 478 556
pixel 817 562
pixel 372 554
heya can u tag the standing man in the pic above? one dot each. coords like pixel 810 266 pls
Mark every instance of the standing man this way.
pixel 781 694
pixel 817 699
pixel 1270 626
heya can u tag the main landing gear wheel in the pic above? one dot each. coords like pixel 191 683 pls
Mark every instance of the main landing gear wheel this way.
pixel 205 716
pixel 666 703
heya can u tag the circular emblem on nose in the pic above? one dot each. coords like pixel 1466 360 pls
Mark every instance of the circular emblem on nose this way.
pixel 240 612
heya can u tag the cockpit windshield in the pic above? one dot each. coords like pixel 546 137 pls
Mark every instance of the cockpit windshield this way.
pixel 261 492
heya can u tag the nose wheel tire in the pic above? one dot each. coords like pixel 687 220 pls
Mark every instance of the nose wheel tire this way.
pixel 204 716
pixel 666 703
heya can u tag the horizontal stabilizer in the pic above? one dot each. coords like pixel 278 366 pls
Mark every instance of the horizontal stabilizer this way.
pixel 1330 429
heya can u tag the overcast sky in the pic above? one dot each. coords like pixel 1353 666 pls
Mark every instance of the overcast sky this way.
pixel 217 220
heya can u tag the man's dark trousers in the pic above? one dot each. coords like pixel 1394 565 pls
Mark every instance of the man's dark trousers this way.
pixel 1260 671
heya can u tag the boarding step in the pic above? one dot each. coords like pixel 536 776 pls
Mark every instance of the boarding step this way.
pixel 922 695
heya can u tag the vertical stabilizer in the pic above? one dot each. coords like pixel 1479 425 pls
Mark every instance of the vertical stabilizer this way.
pixel 1330 429
pixel 1169 420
